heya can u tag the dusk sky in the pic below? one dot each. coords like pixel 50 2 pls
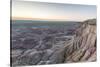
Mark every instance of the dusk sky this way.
pixel 51 11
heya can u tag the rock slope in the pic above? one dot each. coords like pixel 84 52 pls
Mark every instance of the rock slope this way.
pixel 84 45
pixel 72 48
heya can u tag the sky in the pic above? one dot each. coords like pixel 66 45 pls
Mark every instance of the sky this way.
pixel 31 10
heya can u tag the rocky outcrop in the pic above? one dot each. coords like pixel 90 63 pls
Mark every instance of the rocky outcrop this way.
pixel 72 48
pixel 84 45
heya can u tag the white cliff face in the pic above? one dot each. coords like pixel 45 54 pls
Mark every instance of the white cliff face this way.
pixel 84 44
pixel 75 48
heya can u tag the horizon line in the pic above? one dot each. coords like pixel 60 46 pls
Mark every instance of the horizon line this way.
pixel 43 19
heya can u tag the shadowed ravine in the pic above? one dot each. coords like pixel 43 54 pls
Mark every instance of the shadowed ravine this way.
pixel 55 48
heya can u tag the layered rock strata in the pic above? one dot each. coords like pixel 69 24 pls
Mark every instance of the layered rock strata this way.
pixel 75 48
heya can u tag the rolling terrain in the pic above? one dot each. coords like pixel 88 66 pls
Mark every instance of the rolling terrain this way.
pixel 34 44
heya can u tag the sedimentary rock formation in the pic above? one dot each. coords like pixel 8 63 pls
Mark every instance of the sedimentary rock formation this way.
pixel 84 45
pixel 72 48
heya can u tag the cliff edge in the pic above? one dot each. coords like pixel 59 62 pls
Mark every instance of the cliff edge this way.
pixel 84 44
pixel 70 48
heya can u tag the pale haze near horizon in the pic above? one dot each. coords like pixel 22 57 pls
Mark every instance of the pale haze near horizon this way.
pixel 51 11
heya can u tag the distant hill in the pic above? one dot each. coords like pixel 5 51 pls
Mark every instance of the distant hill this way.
pixel 31 21
pixel 91 21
